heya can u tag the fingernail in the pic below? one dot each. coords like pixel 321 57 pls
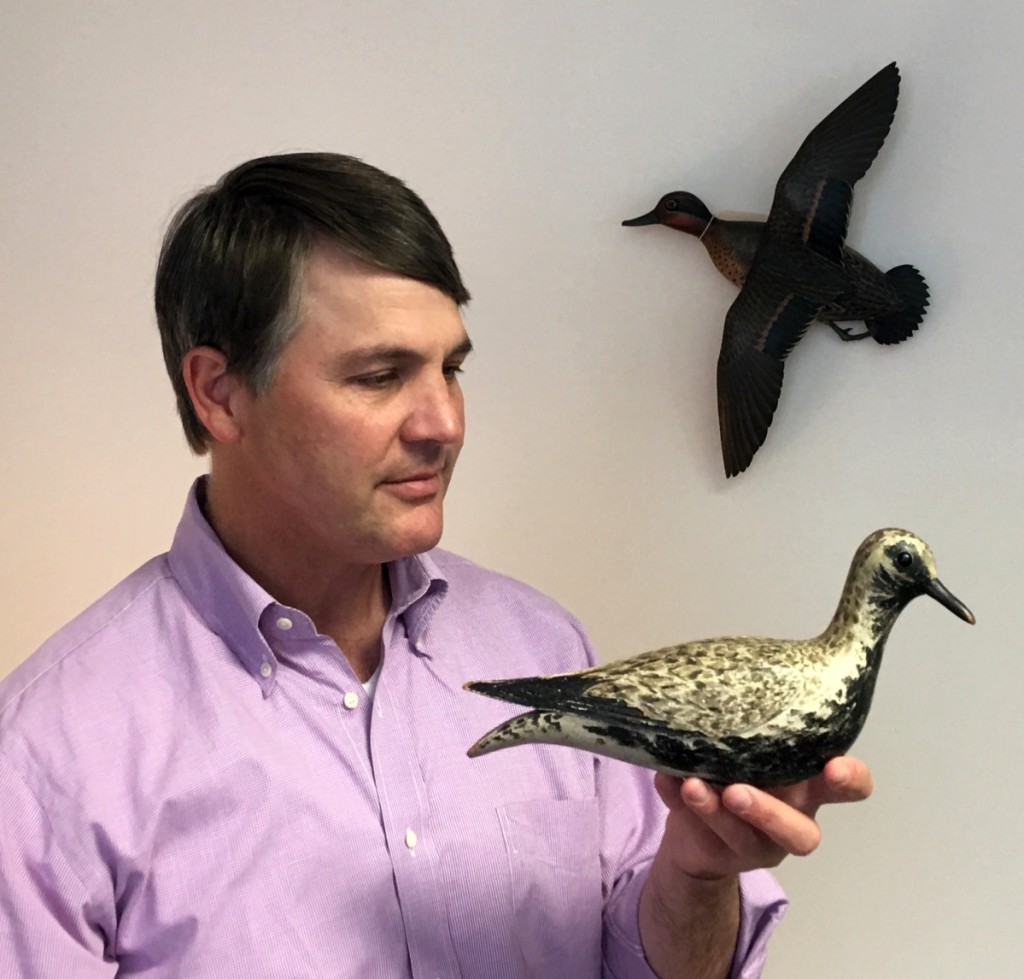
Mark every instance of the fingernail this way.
pixel 742 800
pixel 698 792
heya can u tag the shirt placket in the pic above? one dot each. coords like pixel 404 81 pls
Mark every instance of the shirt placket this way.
pixel 406 818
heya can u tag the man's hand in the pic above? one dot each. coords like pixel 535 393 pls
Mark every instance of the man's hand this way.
pixel 689 911
pixel 711 834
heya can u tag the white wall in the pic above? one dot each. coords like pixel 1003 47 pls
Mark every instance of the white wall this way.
pixel 592 467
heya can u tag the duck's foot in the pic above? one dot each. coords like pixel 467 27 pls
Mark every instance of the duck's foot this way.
pixel 846 333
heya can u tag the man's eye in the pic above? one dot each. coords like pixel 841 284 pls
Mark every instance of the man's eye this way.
pixel 451 370
pixel 379 380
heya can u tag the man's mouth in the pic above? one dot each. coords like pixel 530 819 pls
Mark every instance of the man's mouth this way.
pixel 416 486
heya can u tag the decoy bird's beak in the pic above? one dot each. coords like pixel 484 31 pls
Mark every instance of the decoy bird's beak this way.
pixel 944 596
pixel 650 218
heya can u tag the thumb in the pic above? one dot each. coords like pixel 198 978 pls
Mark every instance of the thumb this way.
pixel 668 787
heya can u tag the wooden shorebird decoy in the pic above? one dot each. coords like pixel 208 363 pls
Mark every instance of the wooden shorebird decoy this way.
pixel 795 267
pixel 735 709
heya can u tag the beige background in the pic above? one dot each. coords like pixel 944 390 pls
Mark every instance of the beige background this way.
pixel 592 467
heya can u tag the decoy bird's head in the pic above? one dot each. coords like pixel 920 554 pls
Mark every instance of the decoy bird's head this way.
pixel 900 567
pixel 679 210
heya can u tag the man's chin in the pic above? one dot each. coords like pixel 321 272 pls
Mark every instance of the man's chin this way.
pixel 417 539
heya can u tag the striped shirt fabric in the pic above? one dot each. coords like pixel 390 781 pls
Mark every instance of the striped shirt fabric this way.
pixel 195 784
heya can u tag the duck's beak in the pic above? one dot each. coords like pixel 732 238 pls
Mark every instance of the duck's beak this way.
pixel 944 596
pixel 650 218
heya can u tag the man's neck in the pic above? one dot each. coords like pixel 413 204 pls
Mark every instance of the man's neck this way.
pixel 347 602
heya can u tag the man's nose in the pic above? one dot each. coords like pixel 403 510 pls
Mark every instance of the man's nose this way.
pixel 436 414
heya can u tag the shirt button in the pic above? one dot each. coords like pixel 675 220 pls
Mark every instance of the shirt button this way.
pixel 410 839
pixel 265 670
pixel 284 623
pixel 351 700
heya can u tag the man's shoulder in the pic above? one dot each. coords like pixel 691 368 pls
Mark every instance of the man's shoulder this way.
pixel 469 579
pixel 96 644
pixel 524 630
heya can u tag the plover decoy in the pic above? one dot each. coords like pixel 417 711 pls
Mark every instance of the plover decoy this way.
pixel 735 709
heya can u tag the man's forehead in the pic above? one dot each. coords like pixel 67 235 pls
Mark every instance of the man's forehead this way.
pixel 326 256
pixel 355 311
pixel 333 276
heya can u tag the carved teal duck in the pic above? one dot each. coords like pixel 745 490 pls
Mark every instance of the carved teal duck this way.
pixel 735 709
pixel 795 267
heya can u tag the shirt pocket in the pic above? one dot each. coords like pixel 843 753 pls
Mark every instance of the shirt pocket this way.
pixel 553 848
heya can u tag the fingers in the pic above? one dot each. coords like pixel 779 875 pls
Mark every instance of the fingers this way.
pixel 793 831
pixel 733 816
pixel 847 779
pixel 667 787
pixel 715 832
pixel 843 779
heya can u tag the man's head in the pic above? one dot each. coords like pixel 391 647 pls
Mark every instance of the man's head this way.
pixel 233 263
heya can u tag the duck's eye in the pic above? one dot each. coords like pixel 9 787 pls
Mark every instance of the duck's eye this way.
pixel 670 204
pixel 904 559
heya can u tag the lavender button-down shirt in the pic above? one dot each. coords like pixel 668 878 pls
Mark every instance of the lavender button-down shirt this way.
pixel 193 783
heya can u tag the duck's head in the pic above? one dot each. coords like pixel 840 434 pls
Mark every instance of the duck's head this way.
pixel 679 210
pixel 901 566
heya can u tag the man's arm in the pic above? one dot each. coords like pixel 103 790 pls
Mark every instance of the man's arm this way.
pixel 47 927
pixel 689 908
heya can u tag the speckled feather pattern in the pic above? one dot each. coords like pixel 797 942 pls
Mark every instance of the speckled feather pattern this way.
pixel 725 258
pixel 748 708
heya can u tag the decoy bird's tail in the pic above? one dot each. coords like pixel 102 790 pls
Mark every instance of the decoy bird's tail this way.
pixel 897 326
pixel 534 727
pixel 530 691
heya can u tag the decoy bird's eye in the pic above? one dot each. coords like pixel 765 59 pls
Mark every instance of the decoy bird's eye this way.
pixel 904 559
pixel 670 204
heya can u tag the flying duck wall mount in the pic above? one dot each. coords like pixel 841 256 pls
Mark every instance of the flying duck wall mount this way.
pixel 795 267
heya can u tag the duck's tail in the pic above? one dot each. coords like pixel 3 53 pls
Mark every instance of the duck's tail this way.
pixel 897 326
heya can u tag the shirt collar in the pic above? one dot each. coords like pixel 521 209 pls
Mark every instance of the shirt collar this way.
pixel 417 590
pixel 236 607
pixel 226 597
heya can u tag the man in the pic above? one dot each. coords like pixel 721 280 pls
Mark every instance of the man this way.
pixel 248 759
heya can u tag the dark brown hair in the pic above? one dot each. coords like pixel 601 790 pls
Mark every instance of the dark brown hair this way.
pixel 231 267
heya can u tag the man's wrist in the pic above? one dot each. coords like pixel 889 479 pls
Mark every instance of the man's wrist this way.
pixel 688 925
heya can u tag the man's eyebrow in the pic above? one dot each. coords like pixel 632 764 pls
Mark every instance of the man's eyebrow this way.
pixel 379 352
pixel 464 349
pixel 395 353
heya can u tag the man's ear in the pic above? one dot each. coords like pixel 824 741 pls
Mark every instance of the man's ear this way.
pixel 216 395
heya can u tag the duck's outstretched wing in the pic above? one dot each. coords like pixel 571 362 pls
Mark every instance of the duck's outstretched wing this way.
pixel 814 193
pixel 783 294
